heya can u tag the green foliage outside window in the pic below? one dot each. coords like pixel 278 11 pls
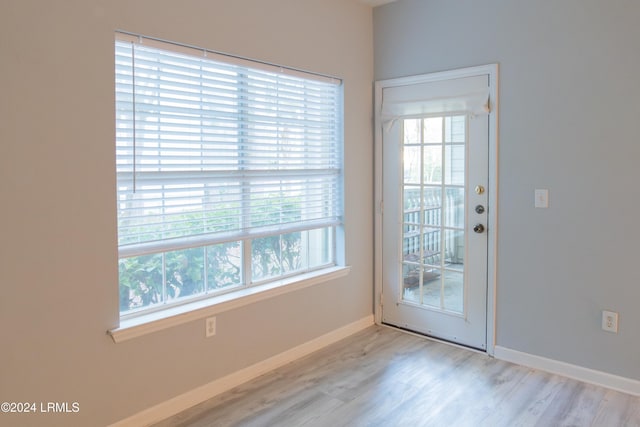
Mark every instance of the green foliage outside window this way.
pixel 149 280
pixel 154 279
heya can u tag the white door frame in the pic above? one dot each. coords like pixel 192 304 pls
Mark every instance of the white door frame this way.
pixel 492 230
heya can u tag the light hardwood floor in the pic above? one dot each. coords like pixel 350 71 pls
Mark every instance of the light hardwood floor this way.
pixel 384 377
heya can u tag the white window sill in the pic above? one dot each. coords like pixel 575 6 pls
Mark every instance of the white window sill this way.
pixel 177 315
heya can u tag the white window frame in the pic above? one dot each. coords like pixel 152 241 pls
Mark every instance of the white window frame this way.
pixel 164 315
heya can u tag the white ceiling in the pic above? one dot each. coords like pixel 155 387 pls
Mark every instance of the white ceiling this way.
pixel 374 3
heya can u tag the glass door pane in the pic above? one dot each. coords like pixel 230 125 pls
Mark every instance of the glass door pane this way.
pixel 434 156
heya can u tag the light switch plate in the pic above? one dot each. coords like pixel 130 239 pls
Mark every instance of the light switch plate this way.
pixel 541 198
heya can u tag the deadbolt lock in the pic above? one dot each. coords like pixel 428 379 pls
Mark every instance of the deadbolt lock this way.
pixel 479 209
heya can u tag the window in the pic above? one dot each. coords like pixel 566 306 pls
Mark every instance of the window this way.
pixel 229 173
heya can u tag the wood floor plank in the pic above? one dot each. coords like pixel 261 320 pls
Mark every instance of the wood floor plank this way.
pixel 525 402
pixel 384 377
pixel 618 409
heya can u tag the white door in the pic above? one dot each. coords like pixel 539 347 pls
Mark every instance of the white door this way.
pixel 435 190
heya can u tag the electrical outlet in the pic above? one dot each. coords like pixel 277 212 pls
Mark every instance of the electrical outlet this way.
pixel 610 321
pixel 210 327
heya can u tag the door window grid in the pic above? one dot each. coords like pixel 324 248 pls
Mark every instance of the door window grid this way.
pixel 433 242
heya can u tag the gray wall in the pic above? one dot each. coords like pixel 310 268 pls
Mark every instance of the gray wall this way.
pixel 569 108
pixel 58 257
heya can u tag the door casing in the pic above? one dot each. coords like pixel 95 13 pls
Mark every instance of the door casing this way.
pixel 492 220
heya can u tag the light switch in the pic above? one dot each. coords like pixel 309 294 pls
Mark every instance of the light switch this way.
pixel 541 198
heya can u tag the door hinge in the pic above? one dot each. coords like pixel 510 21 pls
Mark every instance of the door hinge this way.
pixel 381 207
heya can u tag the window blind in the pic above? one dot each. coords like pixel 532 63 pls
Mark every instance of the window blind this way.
pixel 210 151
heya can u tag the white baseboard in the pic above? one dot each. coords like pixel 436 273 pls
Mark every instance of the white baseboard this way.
pixel 198 395
pixel 614 382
